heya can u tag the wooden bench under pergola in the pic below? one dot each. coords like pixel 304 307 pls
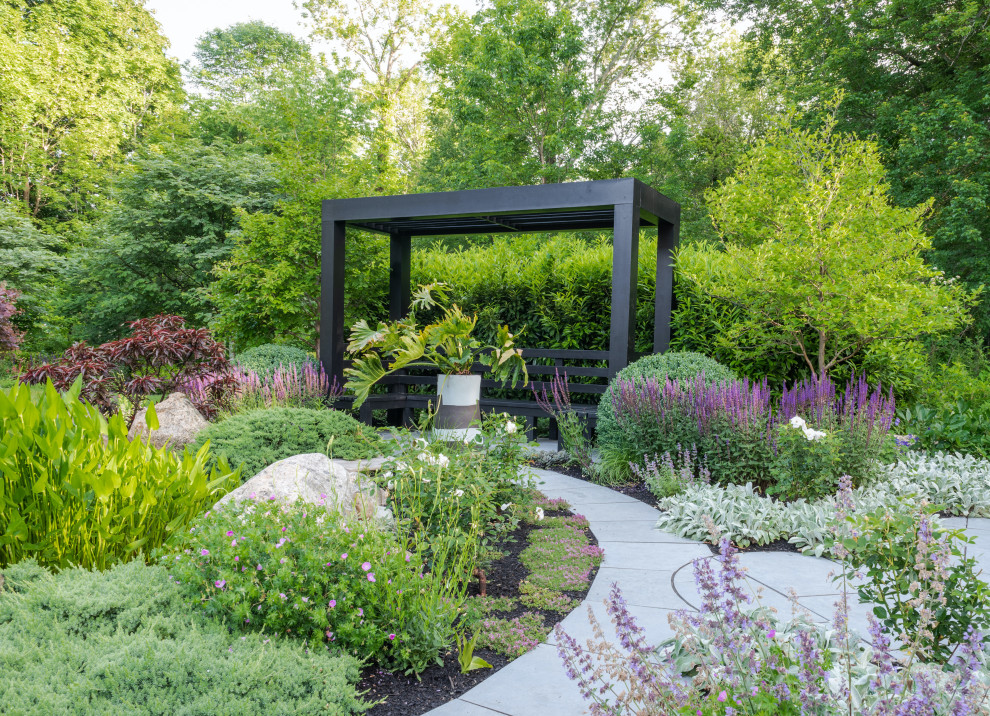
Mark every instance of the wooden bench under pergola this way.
pixel 625 206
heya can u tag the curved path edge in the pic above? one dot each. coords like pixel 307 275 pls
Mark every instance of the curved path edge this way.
pixel 653 569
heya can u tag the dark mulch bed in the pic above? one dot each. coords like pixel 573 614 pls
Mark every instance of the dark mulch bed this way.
pixel 640 492
pixel 407 696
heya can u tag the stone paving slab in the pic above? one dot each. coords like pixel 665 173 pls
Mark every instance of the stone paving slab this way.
pixel 653 621
pixel 593 494
pixel 459 707
pixel 639 531
pixel 650 556
pixel 783 571
pixel 640 587
pixel 616 511
pixel 784 606
pixel 535 684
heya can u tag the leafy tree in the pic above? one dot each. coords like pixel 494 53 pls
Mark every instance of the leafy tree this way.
pixel 914 77
pixel 695 131
pixel 513 92
pixel 174 210
pixel 31 262
pixel 544 90
pixel 234 63
pixel 270 286
pixel 820 261
pixel 384 39
pixel 83 82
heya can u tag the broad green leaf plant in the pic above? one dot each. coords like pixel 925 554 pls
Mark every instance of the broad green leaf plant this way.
pixel 446 344
pixel 76 491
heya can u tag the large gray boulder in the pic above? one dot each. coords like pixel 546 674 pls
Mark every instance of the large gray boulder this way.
pixel 341 484
pixel 178 423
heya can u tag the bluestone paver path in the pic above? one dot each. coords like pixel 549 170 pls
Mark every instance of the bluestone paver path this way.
pixel 654 571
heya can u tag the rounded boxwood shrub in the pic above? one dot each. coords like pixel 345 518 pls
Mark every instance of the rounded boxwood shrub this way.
pixel 672 365
pixel 124 641
pixel 266 359
pixel 257 438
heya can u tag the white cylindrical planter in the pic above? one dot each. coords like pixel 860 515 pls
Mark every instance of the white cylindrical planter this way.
pixel 458 398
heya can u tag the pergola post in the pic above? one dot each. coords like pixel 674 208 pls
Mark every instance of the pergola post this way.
pixel 625 253
pixel 667 238
pixel 399 295
pixel 332 295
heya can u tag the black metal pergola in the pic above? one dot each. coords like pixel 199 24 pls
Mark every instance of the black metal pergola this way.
pixel 625 206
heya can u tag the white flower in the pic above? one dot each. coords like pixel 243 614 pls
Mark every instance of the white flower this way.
pixel 506 506
pixel 510 427
pixel 539 513
pixel 458 493
pixel 813 434
pixel 424 457
pixel 443 460
pixel 426 479
pixel 798 422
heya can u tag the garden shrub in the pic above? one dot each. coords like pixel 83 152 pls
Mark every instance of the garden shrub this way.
pixel 304 571
pixel 659 367
pixel 74 490
pixel 267 358
pixel 958 484
pixel 159 356
pixel 913 565
pixel 122 642
pixel 734 655
pixel 258 438
pixel 743 434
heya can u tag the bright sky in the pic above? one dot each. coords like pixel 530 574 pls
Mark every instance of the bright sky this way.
pixel 184 21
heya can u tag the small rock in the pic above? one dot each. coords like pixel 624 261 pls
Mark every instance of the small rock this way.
pixel 178 423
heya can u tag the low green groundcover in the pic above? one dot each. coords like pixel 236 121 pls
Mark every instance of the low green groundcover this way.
pixel 257 438
pixel 123 642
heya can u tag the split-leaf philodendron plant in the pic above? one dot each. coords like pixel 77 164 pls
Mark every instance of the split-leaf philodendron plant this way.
pixel 446 344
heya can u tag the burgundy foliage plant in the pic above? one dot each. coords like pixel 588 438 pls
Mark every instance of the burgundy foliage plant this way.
pixel 159 356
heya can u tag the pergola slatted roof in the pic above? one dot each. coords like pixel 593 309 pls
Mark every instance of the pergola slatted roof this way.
pixel 624 206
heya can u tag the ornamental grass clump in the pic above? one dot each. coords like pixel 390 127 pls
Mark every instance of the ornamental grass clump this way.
pixel 742 434
pixel 75 490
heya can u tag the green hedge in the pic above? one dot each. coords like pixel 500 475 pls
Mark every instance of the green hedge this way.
pixel 122 642
pixel 257 438
pixel 557 292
